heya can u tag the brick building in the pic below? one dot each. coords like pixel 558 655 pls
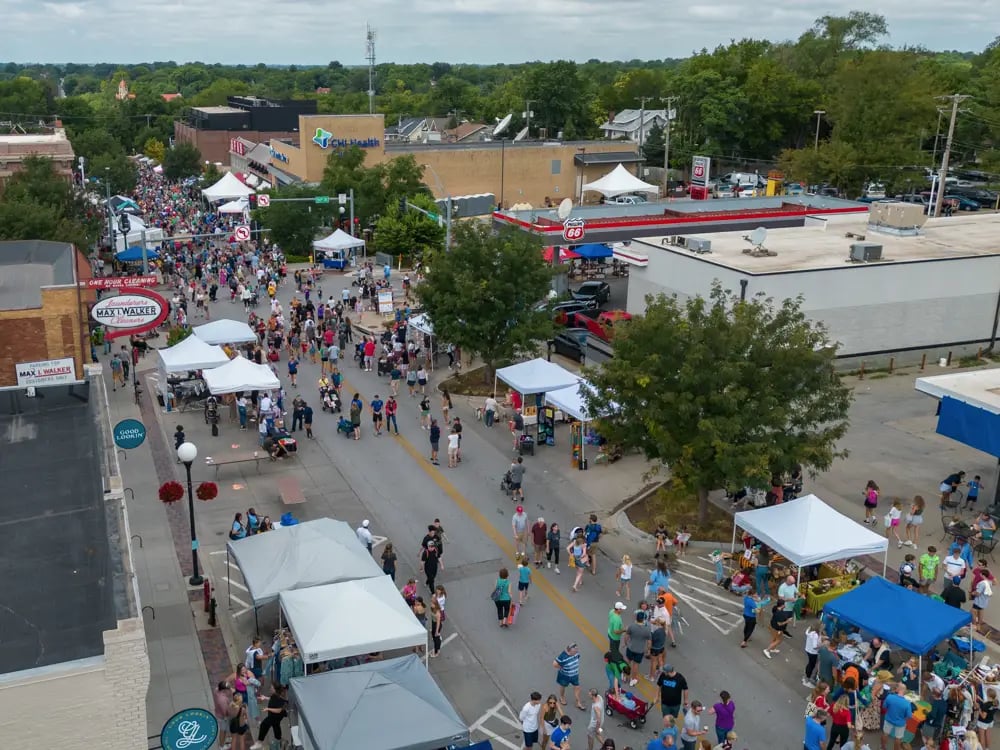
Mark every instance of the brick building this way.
pixel 74 667
pixel 43 310
pixel 15 147
pixel 257 120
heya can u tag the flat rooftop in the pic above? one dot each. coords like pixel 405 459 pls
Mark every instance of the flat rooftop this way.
pixel 681 208
pixel 33 138
pixel 58 579
pixel 221 110
pixel 980 388
pixel 828 246
pixel 28 265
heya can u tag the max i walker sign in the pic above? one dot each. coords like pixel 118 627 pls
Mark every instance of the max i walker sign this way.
pixel 130 312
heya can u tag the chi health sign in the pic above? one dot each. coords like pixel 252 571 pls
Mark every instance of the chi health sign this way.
pixel 48 372
pixel 132 311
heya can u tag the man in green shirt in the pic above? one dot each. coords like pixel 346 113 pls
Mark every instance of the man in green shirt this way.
pixel 929 564
pixel 616 627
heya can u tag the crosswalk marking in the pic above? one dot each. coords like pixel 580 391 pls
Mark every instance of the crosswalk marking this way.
pixel 501 713
pixel 693 583
pixel 237 584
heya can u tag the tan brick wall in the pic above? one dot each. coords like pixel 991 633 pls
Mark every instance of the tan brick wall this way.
pixel 82 705
pixel 214 144
pixel 53 331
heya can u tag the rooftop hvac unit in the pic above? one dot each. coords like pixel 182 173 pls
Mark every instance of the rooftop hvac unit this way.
pixel 699 245
pixel 864 252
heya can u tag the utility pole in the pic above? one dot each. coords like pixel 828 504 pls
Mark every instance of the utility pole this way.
pixel 642 125
pixel 666 142
pixel 937 135
pixel 819 114
pixel 956 99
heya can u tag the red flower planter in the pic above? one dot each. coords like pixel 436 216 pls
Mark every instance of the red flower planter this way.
pixel 171 492
pixel 207 491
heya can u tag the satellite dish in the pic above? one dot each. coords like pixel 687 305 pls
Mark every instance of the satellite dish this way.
pixel 565 208
pixel 758 235
pixel 521 135
pixel 502 125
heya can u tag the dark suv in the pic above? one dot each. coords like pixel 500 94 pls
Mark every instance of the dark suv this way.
pixel 593 290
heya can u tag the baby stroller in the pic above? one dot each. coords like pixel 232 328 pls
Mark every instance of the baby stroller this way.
pixel 633 708
pixel 344 425
pixel 330 400
pixel 505 483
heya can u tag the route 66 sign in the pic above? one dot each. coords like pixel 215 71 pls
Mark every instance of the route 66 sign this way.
pixel 573 230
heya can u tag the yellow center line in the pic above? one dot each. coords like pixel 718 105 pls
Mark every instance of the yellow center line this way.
pixel 506 545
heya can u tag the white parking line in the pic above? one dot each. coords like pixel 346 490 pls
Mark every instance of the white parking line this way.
pixel 498 712
pixel 497 738
pixel 449 639
pixel 238 600
pixel 241 612
pixel 235 583
pixel 218 552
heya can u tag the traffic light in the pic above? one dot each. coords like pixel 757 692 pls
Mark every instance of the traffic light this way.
pixel 402 205
pixel 253 201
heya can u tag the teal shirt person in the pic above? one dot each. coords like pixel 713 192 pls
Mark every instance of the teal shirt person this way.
pixel 503 586
pixel 524 574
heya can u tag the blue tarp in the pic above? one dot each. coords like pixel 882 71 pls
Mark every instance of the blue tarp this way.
pixel 966 423
pixel 595 250
pixel 900 616
pixel 135 253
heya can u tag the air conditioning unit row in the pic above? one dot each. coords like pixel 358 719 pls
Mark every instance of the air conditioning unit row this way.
pixel 865 252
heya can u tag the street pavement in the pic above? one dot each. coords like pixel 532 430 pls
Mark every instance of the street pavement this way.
pixel 489 672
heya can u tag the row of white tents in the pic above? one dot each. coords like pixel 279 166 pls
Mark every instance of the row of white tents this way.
pixel 317 571
pixel 201 351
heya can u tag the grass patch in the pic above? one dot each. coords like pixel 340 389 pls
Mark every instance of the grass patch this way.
pixel 469 383
pixel 676 509
pixel 974 361
pixel 878 375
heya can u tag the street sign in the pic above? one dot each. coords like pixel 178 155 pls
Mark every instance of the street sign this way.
pixel 573 230
pixel 700 168
pixel 132 311
pixel 242 233
pixel 118 282
pixel 322 199
pixel 342 198
pixel 263 200
pixel 129 433
pixel 190 729
pixel 47 372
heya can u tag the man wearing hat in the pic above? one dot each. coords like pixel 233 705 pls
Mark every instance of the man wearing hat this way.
pixel 519 527
pixel 953 595
pixel 365 535
pixel 615 627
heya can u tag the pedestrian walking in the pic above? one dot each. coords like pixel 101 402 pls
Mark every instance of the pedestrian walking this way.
pixel 812 646
pixel 725 716
pixel 453 438
pixel 551 713
pixel 430 558
pixel 445 402
pixel 389 560
pixel 914 520
pixel 616 627
pixel 516 473
pixel 435 437
pixel 553 543
pixel 276 711
pixel 637 640
pixel 422 382
pixel 692 728
pixel 892 520
pixel 365 535
pixel 529 717
pixel 870 494
pixel 578 558
pixel 391 407
pixel 539 539
pixel 355 414
pixel 567 666
pixel 307 419
pixel 501 596
pixel 523 579
pixel 437 624
pixel 519 529
pixel 673 691
pixel 593 531
pixel 595 724
pixel 376 406
pixel 779 626
pixel 624 578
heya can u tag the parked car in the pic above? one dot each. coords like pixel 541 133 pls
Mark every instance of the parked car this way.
pixel 627 200
pixel 595 290
pixel 724 190
pixel 571 343
pixel 563 311
pixel 600 324
pixel 985 198
pixel 961 203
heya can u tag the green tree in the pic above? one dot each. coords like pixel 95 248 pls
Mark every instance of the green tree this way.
pixel 183 160
pixel 39 204
pixel 482 294
pixel 723 392
pixel 654 145
pixel 118 167
pixel 211 174
pixel 293 225
pixel 411 233
pixel 154 149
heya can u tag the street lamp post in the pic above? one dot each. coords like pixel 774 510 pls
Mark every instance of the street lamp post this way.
pixel 447 207
pixel 107 206
pixel 187 453
pixel 819 114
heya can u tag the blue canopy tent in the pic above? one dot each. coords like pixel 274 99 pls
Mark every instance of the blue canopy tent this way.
pixel 968 409
pixel 593 251
pixel 134 253
pixel 916 622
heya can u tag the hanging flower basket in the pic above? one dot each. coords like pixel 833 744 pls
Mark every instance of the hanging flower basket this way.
pixel 207 491
pixel 171 492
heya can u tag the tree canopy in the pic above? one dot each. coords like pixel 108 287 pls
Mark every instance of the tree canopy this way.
pixel 183 160
pixel 723 392
pixel 482 294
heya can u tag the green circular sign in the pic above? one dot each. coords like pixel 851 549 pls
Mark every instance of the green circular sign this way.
pixel 190 729
pixel 129 433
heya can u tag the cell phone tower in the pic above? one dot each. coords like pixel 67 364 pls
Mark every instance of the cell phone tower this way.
pixel 370 56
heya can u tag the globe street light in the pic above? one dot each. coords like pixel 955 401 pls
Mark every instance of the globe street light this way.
pixel 187 453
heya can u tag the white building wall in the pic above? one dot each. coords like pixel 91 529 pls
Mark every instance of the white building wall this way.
pixel 98 702
pixel 882 307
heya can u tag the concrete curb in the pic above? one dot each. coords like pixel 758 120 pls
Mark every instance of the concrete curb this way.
pixel 638 536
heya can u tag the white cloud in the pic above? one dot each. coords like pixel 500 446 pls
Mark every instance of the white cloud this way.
pixel 314 32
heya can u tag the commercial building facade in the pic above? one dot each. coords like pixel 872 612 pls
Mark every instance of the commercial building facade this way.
pixel 929 292
pixel 516 172
pixel 43 312
pixel 16 147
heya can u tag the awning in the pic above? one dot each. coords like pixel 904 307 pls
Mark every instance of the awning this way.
pixel 593 251
pixel 564 254
pixel 630 255
pixel 537 376
pixel 969 409
pixel 239 375
pixel 570 400
pixel 192 354
pixel 225 331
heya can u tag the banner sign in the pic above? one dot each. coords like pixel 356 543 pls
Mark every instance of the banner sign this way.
pixel 129 433
pixel 47 372
pixel 132 311
pixel 700 168
pixel 573 230
pixel 119 282
pixel 190 729
pixel 385 302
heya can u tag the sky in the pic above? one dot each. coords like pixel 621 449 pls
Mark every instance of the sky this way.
pixel 308 32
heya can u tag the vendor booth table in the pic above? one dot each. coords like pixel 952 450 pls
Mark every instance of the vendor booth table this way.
pixel 383 705
pixel 807 531
pixel 239 375
pixel 536 377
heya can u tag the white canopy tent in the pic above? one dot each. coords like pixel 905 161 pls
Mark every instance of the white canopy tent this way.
pixel 807 531
pixel 225 331
pixel 192 354
pixel 313 553
pixel 379 619
pixel 536 376
pixel 227 189
pixel 137 230
pixel 339 240
pixel 234 207
pixel 620 181
pixel 238 375
pixel 422 323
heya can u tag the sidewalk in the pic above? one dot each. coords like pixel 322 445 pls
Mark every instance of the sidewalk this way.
pixel 173 622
